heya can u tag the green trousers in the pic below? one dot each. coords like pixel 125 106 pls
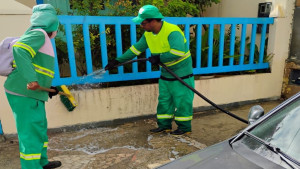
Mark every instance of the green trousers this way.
pixel 175 101
pixel 31 123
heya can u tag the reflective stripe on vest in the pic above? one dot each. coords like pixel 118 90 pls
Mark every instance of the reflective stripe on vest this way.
pixel 30 156
pixel 26 47
pixel 43 70
pixel 185 56
pixel 177 52
pixel 134 50
pixel 189 118
pixel 164 116
pixel 40 70
pixel 159 43
pixel 47 49
pixel 45 144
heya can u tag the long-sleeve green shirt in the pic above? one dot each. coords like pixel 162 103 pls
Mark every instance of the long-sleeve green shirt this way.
pixel 33 62
pixel 176 41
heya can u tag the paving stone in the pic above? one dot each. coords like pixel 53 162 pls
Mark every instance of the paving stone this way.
pixel 130 146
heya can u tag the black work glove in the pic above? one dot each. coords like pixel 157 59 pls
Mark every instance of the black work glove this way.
pixel 154 59
pixel 111 64
pixel 53 93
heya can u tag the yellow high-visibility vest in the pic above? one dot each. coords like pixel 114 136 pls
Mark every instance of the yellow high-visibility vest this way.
pixel 158 43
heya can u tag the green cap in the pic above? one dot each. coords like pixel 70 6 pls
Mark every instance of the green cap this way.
pixel 44 17
pixel 147 12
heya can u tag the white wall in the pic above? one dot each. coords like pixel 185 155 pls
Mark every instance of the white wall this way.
pixel 14 18
pixel 123 102
pixel 244 8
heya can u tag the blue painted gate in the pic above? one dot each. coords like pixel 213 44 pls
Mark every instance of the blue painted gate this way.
pixel 1 130
pixel 238 28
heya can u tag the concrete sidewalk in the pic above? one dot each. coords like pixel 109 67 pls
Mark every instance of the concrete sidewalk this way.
pixel 131 145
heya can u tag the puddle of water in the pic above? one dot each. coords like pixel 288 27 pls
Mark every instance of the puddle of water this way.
pixel 101 140
pixel 149 138
pixel 85 132
pixel 94 141
pixel 93 150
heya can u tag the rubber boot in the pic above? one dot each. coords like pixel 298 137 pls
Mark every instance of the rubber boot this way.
pixel 52 164
pixel 160 130
pixel 180 132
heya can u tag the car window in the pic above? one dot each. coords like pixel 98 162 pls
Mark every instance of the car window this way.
pixel 282 130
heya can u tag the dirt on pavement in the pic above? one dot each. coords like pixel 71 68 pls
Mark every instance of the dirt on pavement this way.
pixel 131 145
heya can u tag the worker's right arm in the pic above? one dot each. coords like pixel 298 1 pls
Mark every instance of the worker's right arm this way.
pixel 134 50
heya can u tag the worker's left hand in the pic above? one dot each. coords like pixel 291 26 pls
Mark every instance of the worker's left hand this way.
pixel 154 59
pixel 51 94
pixel 111 64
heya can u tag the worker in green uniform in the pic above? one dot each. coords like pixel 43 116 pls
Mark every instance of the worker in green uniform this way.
pixel 34 61
pixel 167 45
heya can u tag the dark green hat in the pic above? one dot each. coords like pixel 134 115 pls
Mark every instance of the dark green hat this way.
pixel 44 17
pixel 147 12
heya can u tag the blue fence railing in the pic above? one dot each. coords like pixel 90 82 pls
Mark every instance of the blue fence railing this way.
pixel 237 39
pixel 1 131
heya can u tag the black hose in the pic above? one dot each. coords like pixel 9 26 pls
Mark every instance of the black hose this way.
pixel 131 61
pixel 200 95
pixel 184 83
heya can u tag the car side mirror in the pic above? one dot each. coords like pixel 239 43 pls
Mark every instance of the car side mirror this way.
pixel 255 113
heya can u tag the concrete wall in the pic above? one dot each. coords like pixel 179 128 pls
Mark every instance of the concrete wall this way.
pixel 246 8
pixel 14 18
pixel 234 8
pixel 96 105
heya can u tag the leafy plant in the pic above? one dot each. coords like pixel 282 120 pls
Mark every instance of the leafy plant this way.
pixel 215 47
pixel 202 5
pixel 179 8
pixel 226 49
pixel 170 8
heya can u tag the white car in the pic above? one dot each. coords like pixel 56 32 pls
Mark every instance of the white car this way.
pixel 271 142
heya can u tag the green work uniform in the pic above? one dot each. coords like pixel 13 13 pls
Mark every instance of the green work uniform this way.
pixel 175 100
pixel 34 60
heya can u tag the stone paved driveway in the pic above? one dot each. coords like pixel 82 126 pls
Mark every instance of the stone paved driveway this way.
pixel 131 146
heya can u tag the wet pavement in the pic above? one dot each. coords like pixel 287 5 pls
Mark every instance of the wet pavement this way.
pixel 131 145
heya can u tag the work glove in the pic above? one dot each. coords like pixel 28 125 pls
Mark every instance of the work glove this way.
pixel 154 59
pixel 53 93
pixel 111 64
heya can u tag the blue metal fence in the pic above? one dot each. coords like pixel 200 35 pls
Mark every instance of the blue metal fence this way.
pixel 223 25
pixel 1 131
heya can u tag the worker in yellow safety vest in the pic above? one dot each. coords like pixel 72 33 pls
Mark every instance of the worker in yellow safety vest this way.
pixel 169 46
